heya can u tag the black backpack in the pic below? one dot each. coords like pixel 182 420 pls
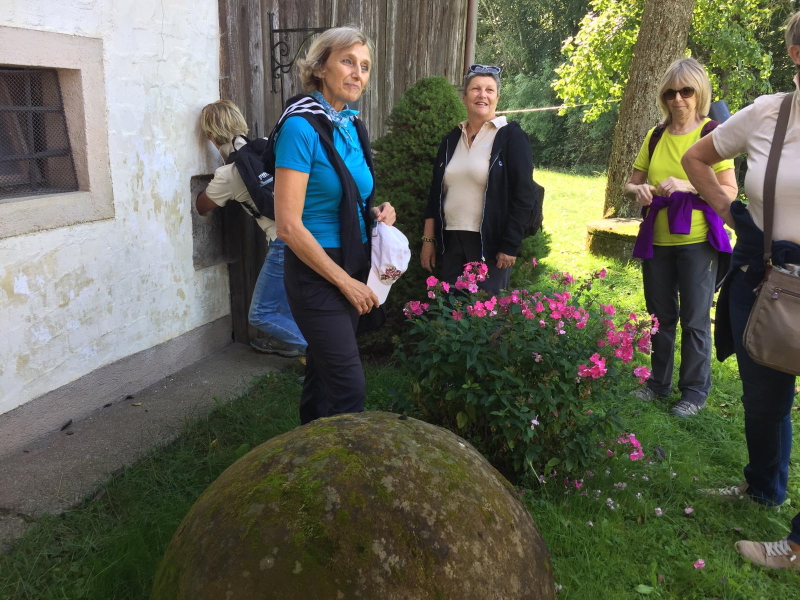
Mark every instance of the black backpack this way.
pixel 258 182
pixel 534 223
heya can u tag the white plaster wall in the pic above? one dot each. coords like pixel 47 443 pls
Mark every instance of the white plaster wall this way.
pixel 80 297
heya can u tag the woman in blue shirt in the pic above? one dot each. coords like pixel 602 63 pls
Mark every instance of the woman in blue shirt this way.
pixel 324 188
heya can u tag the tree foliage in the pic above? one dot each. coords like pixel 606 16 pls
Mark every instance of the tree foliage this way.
pixel 525 38
pixel 735 39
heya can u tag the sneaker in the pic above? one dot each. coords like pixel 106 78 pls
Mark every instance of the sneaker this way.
pixel 774 555
pixel 270 345
pixel 684 409
pixel 735 492
pixel 731 492
pixel 645 394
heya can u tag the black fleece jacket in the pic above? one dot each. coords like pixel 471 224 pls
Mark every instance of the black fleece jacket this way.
pixel 510 196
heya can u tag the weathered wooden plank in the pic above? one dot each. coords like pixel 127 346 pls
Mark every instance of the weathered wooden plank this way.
pixel 242 82
pixel 273 102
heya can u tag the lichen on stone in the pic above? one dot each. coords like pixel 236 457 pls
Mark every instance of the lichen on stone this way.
pixel 358 506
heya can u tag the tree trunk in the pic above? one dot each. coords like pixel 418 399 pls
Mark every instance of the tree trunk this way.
pixel 662 40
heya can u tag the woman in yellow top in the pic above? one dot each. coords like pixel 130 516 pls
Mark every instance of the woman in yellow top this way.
pixel 680 238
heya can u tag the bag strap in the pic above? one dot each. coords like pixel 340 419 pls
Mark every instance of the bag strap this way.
pixel 658 133
pixel 771 176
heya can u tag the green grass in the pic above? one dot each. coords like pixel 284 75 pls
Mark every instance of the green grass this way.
pixel 629 546
pixel 109 548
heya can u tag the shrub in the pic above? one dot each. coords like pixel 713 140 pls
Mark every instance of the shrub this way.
pixel 425 113
pixel 522 376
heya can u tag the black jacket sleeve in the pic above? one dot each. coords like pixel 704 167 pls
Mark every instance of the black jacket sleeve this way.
pixel 521 193
pixel 434 194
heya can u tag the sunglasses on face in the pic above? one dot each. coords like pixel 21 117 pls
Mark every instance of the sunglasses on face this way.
pixel 485 69
pixel 686 92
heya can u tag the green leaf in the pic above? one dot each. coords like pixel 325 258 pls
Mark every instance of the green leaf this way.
pixel 461 419
pixel 644 589
pixel 553 462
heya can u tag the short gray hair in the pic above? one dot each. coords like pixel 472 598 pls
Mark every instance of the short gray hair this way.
pixel 328 41
pixel 470 76
pixel 793 30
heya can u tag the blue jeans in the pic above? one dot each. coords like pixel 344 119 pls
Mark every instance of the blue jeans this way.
pixel 767 396
pixel 269 308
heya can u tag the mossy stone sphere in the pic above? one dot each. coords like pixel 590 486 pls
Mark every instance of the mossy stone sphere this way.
pixel 367 506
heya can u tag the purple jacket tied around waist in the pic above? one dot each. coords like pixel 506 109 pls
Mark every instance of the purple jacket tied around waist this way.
pixel 679 215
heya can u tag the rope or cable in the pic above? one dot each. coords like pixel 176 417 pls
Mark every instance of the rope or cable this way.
pixel 528 110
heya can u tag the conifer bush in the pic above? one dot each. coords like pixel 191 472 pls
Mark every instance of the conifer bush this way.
pixel 425 113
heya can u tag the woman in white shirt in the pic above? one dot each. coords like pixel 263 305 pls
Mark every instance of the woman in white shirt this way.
pixel 483 194
pixel 768 394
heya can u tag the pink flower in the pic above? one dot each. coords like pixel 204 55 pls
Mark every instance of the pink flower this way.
pixel 578 484
pixel 457 315
pixel 609 453
pixel 636 455
pixel 537 357
pixel 609 309
pixel 431 294
pixel 700 564
pixel 595 372
pixel 602 274
pixel 688 510
pixel 658 512
pixel 643 373
pixel 534 262
pixel 445 286
pixel 534 421
pixel 431 281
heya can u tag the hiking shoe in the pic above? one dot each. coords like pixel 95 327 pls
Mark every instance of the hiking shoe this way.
pixel 684 409
pixel 645 394
pixel 731 492
pixel 270 345
pixel 736 492
pixel 774 555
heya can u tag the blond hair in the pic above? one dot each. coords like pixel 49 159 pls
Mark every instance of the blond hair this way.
pixel 685 72
pixel 793 30
pixel 222 121
pixel 322 47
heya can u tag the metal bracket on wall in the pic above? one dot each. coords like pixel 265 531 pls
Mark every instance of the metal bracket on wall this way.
pixel 278 50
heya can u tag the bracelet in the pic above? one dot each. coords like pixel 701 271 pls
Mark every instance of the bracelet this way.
pixel 427 239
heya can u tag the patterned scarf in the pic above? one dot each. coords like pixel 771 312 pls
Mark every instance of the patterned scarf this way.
pixel 340 119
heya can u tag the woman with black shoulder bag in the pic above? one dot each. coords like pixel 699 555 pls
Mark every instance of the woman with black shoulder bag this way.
pixel 767 247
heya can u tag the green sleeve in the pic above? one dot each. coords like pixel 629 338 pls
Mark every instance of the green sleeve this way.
pixel 723 165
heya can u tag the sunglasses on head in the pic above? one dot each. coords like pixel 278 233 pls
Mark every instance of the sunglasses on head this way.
pixel 491 69
pixel 686 92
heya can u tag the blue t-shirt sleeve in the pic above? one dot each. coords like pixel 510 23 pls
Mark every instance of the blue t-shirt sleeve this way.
pixel 296 144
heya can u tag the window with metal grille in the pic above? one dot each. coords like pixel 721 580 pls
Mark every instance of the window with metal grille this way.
pixel 35 153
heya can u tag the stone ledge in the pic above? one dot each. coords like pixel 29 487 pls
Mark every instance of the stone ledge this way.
pixel 612 238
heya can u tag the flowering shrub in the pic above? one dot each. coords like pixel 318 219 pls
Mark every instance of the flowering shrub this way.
pixel 514 373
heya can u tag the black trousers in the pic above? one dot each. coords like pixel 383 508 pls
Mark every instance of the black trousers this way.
pixel 461 247
pixel 679 288
pixel 334 380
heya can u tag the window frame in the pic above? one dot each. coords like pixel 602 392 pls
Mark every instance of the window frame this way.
pixel 78 62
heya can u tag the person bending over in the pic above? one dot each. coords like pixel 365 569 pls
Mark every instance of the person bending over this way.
pixel 224 125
